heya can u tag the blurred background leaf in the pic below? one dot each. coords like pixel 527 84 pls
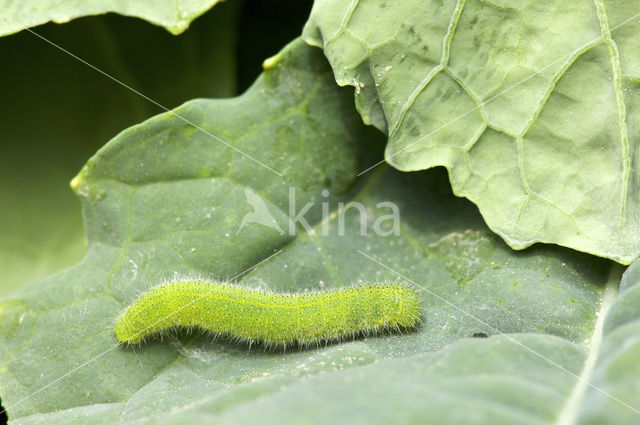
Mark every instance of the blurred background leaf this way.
pixel 174 16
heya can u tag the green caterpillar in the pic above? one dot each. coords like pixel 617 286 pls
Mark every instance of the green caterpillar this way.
pixel 273 319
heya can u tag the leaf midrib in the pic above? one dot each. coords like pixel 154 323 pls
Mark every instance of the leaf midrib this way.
pixel 569 413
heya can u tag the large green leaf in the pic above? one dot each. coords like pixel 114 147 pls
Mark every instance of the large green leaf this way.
pixel 533 106
pixel 175 16
pixel 48 130
pixel 164 199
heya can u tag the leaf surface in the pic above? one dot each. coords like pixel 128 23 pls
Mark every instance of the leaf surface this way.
pixel 534 107
pixel 164 199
